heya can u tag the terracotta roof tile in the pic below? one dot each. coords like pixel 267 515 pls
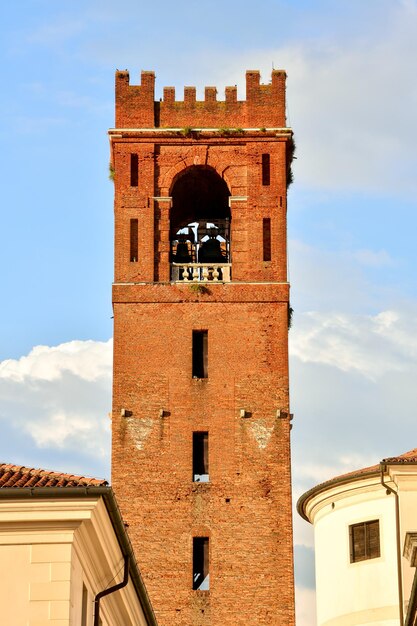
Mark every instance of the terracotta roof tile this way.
pixel 19 476
pixel 407 457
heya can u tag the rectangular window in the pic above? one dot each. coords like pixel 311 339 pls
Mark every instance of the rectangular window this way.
pixel 364 541
pixel 134 170
pixel 201 577
pixel 84 607
pixel 200 458
pixel 134 248
pixel 200 354
pixel 266 169
pixel 266 234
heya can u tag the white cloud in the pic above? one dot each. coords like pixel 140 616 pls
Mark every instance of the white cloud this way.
pixel 320 472
pixel 351 99
pixel 89 360
pixel 353 392
pixel 305 606
pixel 356 126
pixel 58 398
pixel 371 345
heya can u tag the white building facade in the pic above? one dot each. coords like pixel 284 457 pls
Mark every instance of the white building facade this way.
pixel 361 522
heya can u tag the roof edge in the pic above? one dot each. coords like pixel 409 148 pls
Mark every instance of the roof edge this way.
pixel 107 493
pixel 339 480
pixel 408 458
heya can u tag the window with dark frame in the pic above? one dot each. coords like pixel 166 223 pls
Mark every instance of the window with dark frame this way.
pixel 364 541
pixel 266 169
pixel 134 170
pixel 200 354
pixel 200 457
pixel 201 579
pixel 134 243
pixel 266 238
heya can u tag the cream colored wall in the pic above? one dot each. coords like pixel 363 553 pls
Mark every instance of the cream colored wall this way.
pixel 97 554
pixel 408 516
pixel 35 589
pixel 355 594
pixel 405 479
pixel 77 582
pixel 14 599
pixel 48 550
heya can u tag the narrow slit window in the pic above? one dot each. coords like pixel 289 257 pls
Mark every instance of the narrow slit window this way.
pixel 266 232
pixel 266 169
pixel 84 606
pixel 200 354
pixel 134 170
pixel 200 457
pixel 134 247
pixel 364 541
pixel 201 576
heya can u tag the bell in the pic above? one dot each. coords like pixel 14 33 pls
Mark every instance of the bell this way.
pixel 210 252
pixel 182 254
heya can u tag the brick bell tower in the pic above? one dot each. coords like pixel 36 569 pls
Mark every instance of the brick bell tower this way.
pixel 201 423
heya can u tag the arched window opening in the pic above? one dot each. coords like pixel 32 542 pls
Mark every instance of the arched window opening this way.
pixel 200 226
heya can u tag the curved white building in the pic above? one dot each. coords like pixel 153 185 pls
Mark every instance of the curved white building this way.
pixel 363 523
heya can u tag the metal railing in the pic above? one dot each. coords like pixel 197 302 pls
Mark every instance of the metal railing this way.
pixel 201 272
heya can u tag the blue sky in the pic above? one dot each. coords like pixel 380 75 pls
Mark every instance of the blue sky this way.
pixel 352 218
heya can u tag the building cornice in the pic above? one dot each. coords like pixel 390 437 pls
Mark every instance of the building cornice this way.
pixel 334 486
pixel 61 500
pixel 392 467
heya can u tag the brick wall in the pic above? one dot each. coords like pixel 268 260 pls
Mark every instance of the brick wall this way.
pixel 238 161
pixel 264 105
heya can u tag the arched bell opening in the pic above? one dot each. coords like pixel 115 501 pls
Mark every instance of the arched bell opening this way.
pixel 200 226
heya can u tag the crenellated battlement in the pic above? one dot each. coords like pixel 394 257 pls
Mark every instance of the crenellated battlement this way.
pixel 264 105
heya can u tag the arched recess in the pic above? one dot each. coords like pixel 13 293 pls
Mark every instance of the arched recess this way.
pixel 169 174
pixel 200 217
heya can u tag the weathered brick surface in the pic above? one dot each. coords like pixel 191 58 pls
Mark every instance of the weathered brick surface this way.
pixel 245 509
pixel 161 161
pixel 264 105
